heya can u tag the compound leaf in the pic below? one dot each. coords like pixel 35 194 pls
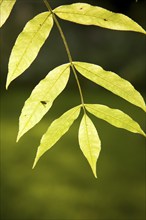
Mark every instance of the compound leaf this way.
pixel 111 82
pixel 28 44
pixel 56 130
pixel 115 117
pixel 5 10
pixel 87 14
pixel 42 97
pixel 89 142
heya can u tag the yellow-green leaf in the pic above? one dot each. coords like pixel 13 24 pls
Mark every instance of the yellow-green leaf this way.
pixel 111 82
pixel 42 97
pixel 28 44
pixel 5 10
pixel 56 130
pixel 87 14
pixel 89 142
pixel 114 117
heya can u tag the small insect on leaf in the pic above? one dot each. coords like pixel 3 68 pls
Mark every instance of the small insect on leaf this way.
pixel 43 102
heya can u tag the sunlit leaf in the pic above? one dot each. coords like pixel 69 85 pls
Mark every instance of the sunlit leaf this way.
pixel 86 14
pixel 89 142
pixel 42 97
pixel 28 44
pixel 112 82
pixel 114 117
pixel 5 10
pixel 56 130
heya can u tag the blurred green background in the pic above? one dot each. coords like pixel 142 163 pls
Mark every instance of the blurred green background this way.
pixel 62 186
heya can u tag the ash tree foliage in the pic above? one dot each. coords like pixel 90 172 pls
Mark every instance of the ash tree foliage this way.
pixel 26 49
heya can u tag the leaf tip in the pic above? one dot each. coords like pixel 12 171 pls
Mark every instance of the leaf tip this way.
pixel 142 31
pixel 7 85
pixel 35 162
pixel 37 157
pixel 20 134
pixel 94 171
pixel 18 137
pixel 95 175
pixel 144 134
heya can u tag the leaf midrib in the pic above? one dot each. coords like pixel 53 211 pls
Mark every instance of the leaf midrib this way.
pixel 89 145
pixel 58 12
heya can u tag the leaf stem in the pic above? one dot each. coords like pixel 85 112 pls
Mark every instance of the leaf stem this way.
pixel 67 51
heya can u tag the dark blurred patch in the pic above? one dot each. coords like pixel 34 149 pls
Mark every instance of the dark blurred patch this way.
pixel 62 185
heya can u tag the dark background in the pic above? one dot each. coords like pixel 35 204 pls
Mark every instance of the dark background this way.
pixel 62 186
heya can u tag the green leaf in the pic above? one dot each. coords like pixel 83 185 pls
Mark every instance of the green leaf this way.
pixel 42 97
pixel 5 10
pixel 114 117
pixel 28 44
pixel 56 130
pixel 86 14
pixel 111 82
pixel 89 142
